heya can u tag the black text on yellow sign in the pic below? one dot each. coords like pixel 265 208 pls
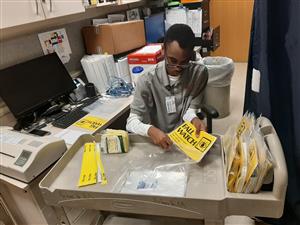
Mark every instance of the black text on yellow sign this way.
pixel 91 123
pixel 188 133
pixel 194 147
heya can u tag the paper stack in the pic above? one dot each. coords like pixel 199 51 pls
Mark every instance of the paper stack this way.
pixel 99 69
pixel 193 18
pixel 123 69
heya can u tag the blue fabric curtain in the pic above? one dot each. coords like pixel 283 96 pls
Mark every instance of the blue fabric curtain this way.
pixel 275 52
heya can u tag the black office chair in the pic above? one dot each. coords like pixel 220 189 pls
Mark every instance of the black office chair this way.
pixel 210 113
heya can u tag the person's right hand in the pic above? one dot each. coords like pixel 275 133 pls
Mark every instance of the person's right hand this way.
pixel 160 138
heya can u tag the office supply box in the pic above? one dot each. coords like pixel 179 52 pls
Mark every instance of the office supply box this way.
pixel 150 54
pixel 114 38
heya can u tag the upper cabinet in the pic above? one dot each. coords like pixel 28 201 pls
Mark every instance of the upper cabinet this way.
pixel 18 17
pixel 56 8
pixel 18 12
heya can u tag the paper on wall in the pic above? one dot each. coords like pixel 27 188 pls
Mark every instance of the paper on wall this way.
pixel 56 41
pixel 194 20
pixel 176 15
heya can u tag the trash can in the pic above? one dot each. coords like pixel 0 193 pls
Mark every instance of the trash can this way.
pixel 217 93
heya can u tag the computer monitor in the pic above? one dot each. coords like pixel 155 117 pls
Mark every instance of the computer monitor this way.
pixel 155 27
pixel 30 85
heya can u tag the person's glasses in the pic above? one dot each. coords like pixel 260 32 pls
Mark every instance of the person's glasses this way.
pixel 173 65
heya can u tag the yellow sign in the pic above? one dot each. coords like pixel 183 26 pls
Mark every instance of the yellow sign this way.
pixel 194 147
pixel 88 172
pixel 92 169
pixel 90 123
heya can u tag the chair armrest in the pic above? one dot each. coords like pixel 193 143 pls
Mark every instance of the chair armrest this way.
pixel 210 113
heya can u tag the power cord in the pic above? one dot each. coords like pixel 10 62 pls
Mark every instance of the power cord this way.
pixel 118 87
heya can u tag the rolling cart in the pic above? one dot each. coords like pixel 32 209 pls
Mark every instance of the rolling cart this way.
pixel 206 197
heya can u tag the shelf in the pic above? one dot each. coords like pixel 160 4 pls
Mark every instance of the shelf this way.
pixel 90 12
pixel 101 4
pixel 119 2
pixel 125 2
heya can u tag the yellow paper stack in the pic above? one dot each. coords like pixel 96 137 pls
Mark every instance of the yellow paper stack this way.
pixel 92 170
pixel 247 157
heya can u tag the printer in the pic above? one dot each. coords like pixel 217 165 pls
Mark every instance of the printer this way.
pixel 24 161
pixel 25 156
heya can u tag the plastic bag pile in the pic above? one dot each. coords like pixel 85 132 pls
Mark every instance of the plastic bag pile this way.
pixel 247 157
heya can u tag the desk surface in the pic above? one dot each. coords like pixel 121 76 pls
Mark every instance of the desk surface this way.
pixel 106 108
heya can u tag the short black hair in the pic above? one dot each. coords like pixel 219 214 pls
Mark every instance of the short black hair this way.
pixel 181 33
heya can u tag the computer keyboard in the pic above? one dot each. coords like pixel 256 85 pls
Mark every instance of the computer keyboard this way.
pixel 88 102
pixel 55 116
pixel 69 118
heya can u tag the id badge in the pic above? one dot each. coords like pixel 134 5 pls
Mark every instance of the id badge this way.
pixel 170 104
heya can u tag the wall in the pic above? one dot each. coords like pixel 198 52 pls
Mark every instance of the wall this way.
pixel 22 43
pixel 234 18
pixel 27 46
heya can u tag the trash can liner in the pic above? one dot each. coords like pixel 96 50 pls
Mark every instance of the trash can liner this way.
pixel 220 70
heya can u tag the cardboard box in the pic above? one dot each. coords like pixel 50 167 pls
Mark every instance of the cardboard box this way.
pixel 150 54
pixel 114 38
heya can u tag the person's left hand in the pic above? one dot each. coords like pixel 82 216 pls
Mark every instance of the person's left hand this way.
pixel 199 125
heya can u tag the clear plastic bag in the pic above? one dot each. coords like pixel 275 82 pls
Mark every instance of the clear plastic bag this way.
pixel 155 173
pixel 243 151
pixel 247 157
pixel 229 142
pixel 157 182
pixel 252 170
pixel 265 161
